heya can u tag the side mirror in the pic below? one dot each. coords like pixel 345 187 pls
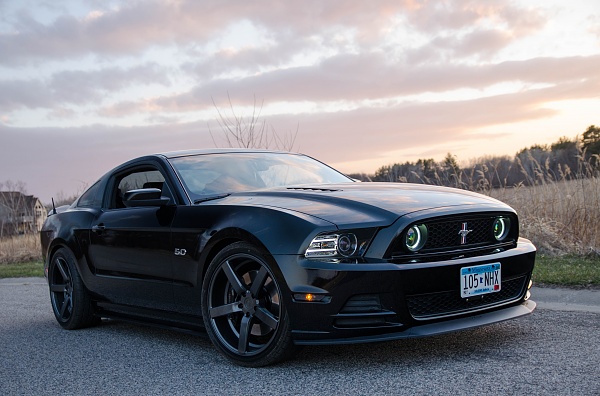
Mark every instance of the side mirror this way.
pixel 145 197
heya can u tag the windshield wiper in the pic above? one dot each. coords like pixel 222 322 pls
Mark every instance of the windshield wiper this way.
pixel 211 198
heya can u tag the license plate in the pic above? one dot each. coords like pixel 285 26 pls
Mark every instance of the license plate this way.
pixel 480 279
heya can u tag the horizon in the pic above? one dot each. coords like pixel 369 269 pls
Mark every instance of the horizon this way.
pixel 21 185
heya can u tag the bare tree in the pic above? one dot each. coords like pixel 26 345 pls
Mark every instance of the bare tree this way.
pixel 251 131
pixel 61 198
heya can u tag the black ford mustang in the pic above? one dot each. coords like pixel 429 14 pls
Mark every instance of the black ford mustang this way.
pixel 270 250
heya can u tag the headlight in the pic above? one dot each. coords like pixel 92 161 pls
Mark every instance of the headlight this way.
pixel 340 245
pixel 415 237
pixel 323 246
pixel 501 228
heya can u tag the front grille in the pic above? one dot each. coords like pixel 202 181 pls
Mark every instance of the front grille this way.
pixel 444 237
pixel 428 306
pixel 444 234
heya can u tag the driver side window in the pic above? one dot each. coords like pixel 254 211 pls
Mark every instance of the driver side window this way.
pixel 148 178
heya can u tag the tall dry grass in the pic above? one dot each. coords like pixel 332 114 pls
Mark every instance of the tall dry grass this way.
pixel 558 211
pixel 561 217
pixel 20 248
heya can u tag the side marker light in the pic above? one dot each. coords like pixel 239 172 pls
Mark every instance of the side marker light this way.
pixel 309 297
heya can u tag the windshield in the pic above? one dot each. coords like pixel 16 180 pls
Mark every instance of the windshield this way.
pixel 210 174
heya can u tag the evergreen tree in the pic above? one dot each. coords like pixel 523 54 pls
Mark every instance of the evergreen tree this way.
pixel 591 140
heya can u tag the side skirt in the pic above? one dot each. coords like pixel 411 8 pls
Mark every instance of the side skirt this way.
pixel 156 318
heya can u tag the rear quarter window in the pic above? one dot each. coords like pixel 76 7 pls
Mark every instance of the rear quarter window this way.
pixel 92 198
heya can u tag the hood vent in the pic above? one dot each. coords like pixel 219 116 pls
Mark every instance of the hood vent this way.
pixel 312 189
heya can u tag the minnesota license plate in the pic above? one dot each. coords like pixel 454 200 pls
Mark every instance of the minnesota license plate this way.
pixel 480 279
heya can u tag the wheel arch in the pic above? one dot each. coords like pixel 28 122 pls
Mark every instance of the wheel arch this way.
pixel 80 261
pixel 222 239
pixel 56 245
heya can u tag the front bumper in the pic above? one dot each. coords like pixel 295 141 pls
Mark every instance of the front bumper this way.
pixel 379 300
pixel 449 326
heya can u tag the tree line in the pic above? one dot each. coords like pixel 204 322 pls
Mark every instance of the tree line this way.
pixel 565 159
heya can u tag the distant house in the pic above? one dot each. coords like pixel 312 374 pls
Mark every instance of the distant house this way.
pixel 20 213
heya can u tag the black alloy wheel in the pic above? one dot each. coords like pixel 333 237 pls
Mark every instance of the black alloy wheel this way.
pixel 243 307
pixel 71 303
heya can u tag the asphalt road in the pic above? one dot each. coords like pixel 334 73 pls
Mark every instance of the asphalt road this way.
pixel 554 351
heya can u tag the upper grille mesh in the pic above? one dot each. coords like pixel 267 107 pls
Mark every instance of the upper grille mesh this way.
pixel 444 235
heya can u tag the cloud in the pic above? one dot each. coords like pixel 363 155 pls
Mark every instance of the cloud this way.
pixel 436 16
pixel 369 76
pixel 361 134
pixel 129 29
pixel 77 87
pixel 15 94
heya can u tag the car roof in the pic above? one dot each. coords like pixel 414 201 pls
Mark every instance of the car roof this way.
pixel 186 153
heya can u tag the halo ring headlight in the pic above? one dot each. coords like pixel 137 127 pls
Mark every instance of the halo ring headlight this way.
pixel 416 237
pixel 501 228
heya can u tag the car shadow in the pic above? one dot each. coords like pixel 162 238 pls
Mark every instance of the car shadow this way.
pixel 496 340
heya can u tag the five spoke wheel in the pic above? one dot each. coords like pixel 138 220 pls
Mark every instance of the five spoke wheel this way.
pixel 243 307
pixel 70 300
pixel 61 290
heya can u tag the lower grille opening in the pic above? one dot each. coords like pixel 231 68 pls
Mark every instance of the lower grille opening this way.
pixel 363 310
pixel 363 303
pixel 433 305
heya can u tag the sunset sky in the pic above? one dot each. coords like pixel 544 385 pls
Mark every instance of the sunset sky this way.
pixel 86 85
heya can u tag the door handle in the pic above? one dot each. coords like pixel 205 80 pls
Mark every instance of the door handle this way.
pixel 98 228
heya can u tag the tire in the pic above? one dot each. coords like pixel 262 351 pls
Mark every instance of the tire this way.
pixel 71 303
pixel 243 308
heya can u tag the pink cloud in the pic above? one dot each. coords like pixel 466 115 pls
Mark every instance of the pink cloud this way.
pixel 135 26
pixel 371 76
pixel 362 134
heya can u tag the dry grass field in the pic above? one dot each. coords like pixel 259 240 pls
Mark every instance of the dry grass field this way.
pixel 20 248
pixel 558 217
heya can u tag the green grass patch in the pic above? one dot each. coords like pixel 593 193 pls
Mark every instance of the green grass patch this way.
pixel 22 270
pixel 571 271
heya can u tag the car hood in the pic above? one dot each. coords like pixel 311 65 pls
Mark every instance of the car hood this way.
pixel 363 204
